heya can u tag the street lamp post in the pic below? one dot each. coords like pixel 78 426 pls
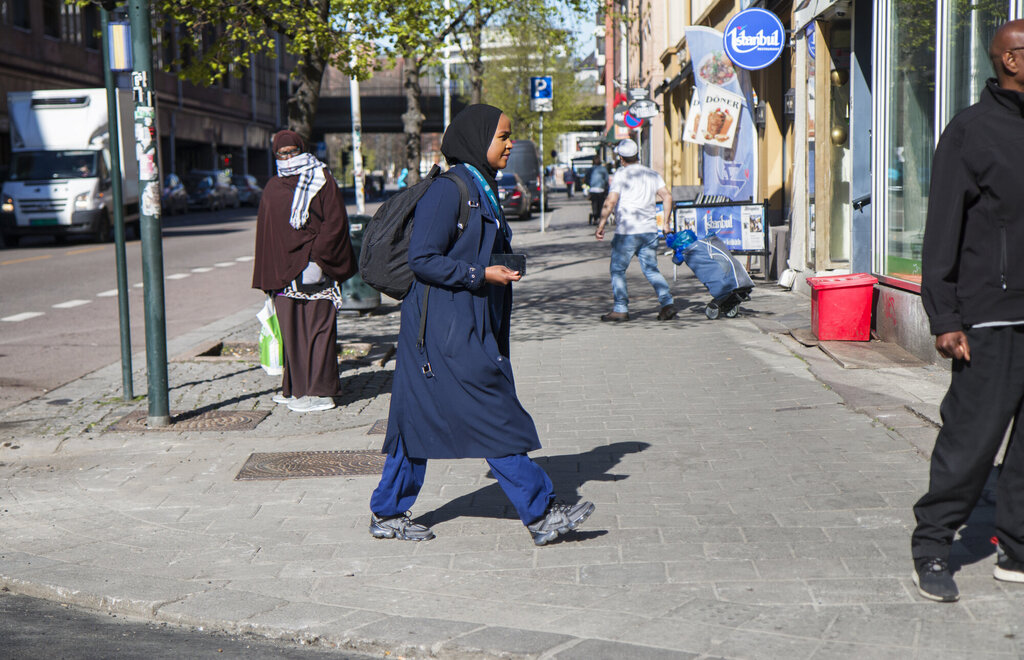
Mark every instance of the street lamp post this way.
pixel 114 144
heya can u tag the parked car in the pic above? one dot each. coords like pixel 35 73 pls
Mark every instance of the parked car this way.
pixel 211 190
pixel 524 161
pixel 515 197
pixel 174 197
pixel 249 191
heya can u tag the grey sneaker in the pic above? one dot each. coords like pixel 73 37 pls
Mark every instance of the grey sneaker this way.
pixel 399 527
pixel 934 581
pixel 311 404
pixel 560 519
pixel 282 399
pixel 1007 568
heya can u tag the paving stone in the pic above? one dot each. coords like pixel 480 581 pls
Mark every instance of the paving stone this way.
pixel 498 640
pixel 594 649
pixel 774 528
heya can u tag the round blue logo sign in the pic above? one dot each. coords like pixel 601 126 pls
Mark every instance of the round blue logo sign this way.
pixel 754 38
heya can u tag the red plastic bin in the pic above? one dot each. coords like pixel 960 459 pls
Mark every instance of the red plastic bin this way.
pixel 841 306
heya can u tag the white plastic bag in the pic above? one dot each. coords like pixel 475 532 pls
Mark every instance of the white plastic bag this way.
pixel 271 346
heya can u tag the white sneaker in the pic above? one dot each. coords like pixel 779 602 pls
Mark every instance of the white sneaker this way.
pixel 311 404
pixel 280 398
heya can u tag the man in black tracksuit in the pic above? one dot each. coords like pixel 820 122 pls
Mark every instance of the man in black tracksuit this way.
pixel 973 292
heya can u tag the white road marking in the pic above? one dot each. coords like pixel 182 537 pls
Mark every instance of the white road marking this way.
pixel 139 285
pixel 109 293
pixel 201 270
pixel 179 276
pixel 24 316
pixel 71 303
pixel 224 264
pixel 250 258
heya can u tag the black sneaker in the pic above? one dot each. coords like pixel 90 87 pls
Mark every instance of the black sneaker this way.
pixel 399 527
pixel 1008 569
pixel 934 581
pixel 560 519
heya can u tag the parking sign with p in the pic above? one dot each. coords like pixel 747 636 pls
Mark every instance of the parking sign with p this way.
pixel 541 94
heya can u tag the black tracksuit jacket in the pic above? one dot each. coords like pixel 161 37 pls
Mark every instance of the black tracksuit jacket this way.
pixel 973 255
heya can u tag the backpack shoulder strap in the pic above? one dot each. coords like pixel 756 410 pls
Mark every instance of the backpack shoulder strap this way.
pixel 464 201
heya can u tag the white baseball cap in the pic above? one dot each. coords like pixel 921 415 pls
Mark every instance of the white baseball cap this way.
pixel 627 148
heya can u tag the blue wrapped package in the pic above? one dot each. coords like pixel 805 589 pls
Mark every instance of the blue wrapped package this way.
pixel 713 264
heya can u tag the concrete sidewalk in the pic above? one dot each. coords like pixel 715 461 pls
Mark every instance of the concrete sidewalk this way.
pixel 753 497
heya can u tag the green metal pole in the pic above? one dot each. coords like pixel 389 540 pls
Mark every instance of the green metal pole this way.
pixel 114 142
pixel 149 213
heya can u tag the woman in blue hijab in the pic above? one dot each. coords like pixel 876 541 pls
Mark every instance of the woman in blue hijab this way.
pixel 454 396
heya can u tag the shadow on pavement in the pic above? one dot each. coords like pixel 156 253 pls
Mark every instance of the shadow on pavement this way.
pixel 568 472
pixel 974 541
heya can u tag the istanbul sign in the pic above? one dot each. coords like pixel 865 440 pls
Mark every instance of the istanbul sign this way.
pixel 754 38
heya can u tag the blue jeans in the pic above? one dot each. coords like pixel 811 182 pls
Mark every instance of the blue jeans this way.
pixel 645 248
pixel 525 483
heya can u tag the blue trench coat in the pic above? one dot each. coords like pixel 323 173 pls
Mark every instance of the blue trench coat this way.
pixel 465 406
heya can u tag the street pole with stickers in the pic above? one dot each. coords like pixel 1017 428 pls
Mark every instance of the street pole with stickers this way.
pixel 541 100
pixel 149 214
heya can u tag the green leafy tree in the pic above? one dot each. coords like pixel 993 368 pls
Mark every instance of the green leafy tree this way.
pixel 494 14
pixel 534 47
pixel 216 37
pixel 417 30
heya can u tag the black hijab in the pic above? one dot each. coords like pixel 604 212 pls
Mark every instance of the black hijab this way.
pixel 468 138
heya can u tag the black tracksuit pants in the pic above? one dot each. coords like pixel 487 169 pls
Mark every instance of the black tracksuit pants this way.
pixel 984 396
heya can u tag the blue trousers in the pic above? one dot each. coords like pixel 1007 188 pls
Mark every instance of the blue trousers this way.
pixel 525 483
pixel 645 248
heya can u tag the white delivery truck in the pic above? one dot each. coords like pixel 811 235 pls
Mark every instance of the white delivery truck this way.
pixel 59 180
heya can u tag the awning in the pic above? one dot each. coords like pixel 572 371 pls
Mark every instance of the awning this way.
pixel 667 86
pixel 808 10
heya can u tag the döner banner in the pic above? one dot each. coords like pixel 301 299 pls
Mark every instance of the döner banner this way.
pixel 719 113
pixel 754 38
pixel 728 170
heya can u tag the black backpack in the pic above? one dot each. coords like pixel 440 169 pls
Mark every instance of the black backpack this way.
pixel 384 256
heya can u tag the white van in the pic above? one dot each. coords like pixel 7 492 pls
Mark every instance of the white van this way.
pixel 59 182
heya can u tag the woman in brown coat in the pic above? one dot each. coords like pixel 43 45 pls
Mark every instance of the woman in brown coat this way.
pixel 303 254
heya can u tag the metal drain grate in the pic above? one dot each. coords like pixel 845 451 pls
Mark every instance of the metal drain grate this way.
pixel 302 464
pixel 380 427
pixel 186 420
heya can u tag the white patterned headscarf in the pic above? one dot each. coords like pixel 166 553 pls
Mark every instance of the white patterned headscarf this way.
pixel 310 171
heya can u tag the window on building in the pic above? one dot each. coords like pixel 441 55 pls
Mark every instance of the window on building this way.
pixel 15 13
pixel 91 27
pixel 911 130
pixel 971 29
pixel 52 17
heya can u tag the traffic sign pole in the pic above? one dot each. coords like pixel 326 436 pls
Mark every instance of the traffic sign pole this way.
pixel 541 100
pixel 543 200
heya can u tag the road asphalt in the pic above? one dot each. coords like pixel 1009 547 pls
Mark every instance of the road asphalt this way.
pixel 753 492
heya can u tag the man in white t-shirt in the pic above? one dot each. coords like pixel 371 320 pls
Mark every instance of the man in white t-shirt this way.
pixel 632 195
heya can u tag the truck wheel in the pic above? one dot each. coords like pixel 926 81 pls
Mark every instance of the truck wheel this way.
pixel 11 240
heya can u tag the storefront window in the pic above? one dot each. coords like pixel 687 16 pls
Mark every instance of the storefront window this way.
pixel 911 119
pixel 972 25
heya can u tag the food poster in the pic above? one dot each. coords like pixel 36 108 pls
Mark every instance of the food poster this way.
pixel 720 112
pixel 728 167
pixel 740 226
pixel 692 121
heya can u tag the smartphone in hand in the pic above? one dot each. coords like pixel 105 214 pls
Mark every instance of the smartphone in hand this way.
pixel 516 262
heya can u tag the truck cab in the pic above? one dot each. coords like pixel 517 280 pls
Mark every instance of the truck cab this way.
pixel 59 182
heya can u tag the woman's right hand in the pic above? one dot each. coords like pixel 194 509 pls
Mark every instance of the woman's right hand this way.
pixel 501 275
